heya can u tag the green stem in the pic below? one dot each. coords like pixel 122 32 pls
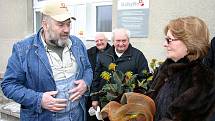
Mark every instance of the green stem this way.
pixel 112 88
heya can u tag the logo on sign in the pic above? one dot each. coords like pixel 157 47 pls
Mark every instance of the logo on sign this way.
pixel 141 3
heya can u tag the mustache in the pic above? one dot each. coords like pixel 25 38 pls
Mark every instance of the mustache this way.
pixel 65 34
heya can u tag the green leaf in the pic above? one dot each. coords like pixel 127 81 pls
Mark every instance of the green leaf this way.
pixel 106 88
pixel 111 96
pixel 144 84
pixel 150 78
pixel 118 77
pixel 120 83
pixel 132 80
pixel 141 83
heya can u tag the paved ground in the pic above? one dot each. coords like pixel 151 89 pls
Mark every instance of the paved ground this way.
pixel 9 110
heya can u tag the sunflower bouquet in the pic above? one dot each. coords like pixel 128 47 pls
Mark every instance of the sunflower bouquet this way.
pixel 118 83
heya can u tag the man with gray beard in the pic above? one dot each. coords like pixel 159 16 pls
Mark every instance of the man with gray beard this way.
pixel 49 73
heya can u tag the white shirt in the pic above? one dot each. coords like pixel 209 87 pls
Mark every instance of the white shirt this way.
pixel 62 69
pixel 118 54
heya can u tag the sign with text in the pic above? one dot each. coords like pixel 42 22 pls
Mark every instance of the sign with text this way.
pixel 134 15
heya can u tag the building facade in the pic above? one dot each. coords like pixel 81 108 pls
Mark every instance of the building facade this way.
pixel 21 18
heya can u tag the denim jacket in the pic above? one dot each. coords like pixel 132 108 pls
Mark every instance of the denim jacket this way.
pixel 29 74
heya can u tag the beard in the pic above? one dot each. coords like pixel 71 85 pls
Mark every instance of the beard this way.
pixel 55 40
pixel 58 42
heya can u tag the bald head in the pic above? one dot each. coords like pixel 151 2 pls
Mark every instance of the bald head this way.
pixel 101 41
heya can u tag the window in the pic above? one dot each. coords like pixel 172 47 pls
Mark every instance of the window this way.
pixel 98 18
pixel 92 16
pixel 37 14
pixel 104 18
pixel 38 20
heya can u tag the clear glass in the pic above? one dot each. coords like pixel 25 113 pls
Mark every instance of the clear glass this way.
pixel 104 18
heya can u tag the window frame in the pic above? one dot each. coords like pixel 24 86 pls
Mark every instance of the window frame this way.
pixel 90 19
pixel 36 6
pixel 91 26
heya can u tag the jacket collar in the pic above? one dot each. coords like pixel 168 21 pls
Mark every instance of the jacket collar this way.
pixel 38 40
pixel 41 51
pixel 182 64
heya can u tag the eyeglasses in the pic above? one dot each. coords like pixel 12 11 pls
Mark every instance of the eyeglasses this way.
pixel 168 39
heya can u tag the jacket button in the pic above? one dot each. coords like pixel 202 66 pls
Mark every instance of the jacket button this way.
pixel 53 114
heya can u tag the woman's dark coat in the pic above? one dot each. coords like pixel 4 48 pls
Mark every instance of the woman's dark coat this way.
pixel 184 91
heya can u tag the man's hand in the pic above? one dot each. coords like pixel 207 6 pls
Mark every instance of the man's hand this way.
pixel 95 104
pixel 51 103
pixel 78 91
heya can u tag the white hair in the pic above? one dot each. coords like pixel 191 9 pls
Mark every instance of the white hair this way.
pixel 123 30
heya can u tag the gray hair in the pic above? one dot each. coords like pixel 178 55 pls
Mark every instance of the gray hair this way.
pixel 123 30
pixel 46 17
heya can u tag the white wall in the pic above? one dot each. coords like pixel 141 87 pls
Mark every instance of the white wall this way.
pixel 16 22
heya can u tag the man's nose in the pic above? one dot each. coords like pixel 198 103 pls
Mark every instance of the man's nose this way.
pixel 99 42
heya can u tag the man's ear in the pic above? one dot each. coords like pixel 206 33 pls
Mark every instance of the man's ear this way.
pixel 44 24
